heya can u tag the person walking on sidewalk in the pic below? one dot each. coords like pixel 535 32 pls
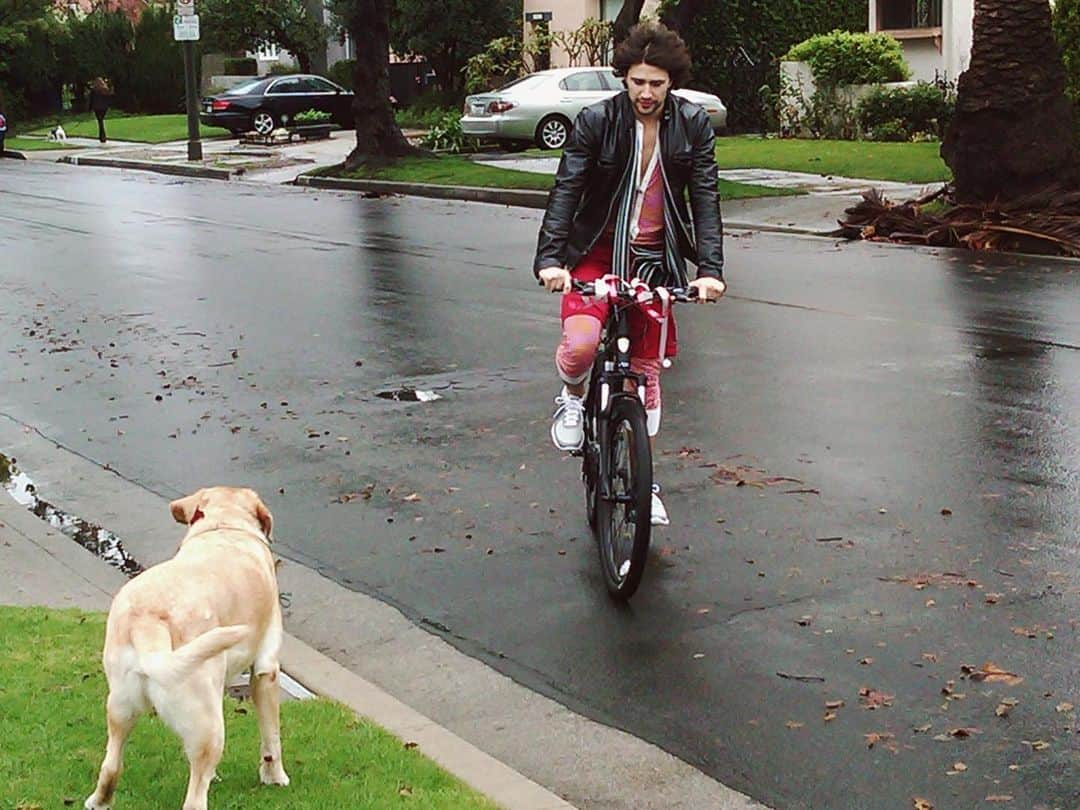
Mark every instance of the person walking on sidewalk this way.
pixel 619 206
pixel 100 99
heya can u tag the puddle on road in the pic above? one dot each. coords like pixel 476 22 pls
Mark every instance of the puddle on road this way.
pixel 100 542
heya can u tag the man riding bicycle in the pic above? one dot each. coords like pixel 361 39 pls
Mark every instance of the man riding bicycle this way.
pixel 619 207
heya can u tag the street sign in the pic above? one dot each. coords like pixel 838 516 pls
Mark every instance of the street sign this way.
pixel 185 29
pixel 185 8
pixel 537 16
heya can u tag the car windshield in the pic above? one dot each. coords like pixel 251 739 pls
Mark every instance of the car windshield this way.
pixel 524 83
pixel 244 89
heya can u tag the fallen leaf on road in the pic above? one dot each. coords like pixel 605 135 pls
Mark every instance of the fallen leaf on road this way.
pixel 992 598
pixel 794 724
pixel 991 673
pixel 1037 745
pixel 958 767
pixel 922 804
pixel 804 621
pixel 1005 706
pixel 833 704
pixel 875 737
pixel 1064 707
pixel 874 699
pixel 999 797
pixel 963 733
pixel 829 717
pixel 923 729
pixel 413 498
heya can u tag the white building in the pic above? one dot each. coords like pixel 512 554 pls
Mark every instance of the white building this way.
pixel 935 34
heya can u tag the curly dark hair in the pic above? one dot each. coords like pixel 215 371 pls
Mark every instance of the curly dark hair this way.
pixel 657 45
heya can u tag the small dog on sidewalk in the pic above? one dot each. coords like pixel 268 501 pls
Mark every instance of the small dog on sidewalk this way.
pixel 180 631
pixel 57 134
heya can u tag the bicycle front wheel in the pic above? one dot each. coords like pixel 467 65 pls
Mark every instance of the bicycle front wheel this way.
pixel 624 500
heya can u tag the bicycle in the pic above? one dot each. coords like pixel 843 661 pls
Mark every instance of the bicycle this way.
pixel 617 456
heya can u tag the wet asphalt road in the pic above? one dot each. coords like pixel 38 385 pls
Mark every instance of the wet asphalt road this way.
pixel 870 455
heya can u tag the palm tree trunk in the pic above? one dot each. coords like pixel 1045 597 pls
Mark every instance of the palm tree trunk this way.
pixel 1012 132
pixel 378 137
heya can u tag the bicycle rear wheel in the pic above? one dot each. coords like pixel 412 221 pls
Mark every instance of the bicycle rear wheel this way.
pixel 623 515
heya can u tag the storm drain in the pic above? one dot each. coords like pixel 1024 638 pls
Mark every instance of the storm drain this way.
pixel 98 541
pixel 408 395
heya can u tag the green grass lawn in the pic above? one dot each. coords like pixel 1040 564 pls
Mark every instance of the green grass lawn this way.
pixel 907 162
pixel 458 171
pixel 52 723
pixel 904 162
pixel 33 145
pixel 121 127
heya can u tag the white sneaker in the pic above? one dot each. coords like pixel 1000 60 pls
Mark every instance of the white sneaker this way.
pixel 567 427
pixel 659 513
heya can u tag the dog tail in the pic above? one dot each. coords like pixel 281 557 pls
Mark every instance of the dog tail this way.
pixel 168 667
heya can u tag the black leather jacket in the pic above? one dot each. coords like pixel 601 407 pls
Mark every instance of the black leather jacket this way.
pixel 596 164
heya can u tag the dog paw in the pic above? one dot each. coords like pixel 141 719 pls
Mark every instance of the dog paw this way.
pixel 91 804
pixel 273 775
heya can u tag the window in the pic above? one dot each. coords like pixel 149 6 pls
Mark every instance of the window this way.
pixel 314 84
pixel 285 86
pixel 611 81
pixel 896 15
pixel 588 81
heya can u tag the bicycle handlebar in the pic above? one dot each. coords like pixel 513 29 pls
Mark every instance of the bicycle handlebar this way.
pixel 681 294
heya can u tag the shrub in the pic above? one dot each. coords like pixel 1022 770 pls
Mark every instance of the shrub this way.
pixel 342 72
pixel 281 69
pixel 312 116
pixel 414 118
pixel 841 58
pixel 242 66
pixel 157 85
pixel 924 108
pixel 500 59
pixel 895 131
pixel 1067 33
pixel 445 135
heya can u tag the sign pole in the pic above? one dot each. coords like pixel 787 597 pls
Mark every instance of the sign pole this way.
pixel 186 30
pixel 194 146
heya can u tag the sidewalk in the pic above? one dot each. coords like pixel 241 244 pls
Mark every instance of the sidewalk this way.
pixel 441 698
pixel 815 213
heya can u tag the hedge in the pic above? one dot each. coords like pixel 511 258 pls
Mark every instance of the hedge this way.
pixel 842 57
pixel 736 45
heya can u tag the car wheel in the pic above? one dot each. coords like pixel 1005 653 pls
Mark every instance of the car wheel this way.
pixel 552 132
pixel 263 122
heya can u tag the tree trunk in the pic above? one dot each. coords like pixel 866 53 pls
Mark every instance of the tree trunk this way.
pixel 378 137
pixel 1012 132
pixel 626 19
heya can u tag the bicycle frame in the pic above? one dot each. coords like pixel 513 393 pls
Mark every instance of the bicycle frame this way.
pixel 610 373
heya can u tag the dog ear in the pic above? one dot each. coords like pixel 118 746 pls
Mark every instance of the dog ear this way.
pixel 266 520
pixel 183 509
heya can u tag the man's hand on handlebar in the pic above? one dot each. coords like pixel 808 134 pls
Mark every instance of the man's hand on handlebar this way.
pixel 556 279
pixel 709 289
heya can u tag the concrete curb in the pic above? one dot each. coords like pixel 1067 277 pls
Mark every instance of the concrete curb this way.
pixel 519 197
pixel 499 782
pixel 149 166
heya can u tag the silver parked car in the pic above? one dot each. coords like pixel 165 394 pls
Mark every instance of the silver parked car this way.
pixel 541 107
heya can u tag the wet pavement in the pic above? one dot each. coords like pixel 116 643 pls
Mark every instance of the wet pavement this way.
pixel 870 455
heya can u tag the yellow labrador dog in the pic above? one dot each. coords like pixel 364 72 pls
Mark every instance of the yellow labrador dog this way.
pixel 180 631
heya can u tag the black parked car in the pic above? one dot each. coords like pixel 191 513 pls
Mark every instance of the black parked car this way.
pixel 265 104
